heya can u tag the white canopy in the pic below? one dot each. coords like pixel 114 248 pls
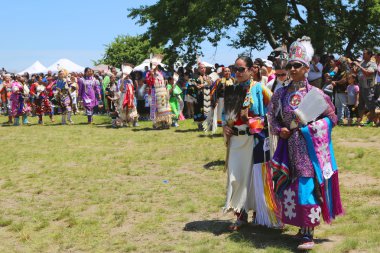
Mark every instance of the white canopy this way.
pixel 146 62
pixel 66 64
pixel 207 65
pixel 35 68
pixel 101 67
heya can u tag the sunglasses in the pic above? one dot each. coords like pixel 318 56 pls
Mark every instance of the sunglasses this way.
pixel 240 69
pixel 281 75
pixel 295 65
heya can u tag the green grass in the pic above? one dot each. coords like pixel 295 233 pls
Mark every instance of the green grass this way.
pixel 91 188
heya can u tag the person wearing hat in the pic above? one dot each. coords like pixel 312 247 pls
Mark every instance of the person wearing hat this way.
pixel 269 68
pixel 305 171
pixel 89 93
pixel 281 75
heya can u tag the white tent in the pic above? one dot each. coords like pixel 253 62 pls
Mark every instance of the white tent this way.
pixel 35 68
pixel 146 62
pixel 207 65
pixel 66 64
pixel 101 67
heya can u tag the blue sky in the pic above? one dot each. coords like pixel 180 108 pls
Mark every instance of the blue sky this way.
pixel 47 30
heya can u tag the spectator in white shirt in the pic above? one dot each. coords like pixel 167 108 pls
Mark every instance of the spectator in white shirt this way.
pixel 315 73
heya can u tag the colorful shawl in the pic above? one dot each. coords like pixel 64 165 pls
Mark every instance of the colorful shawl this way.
pixel 280 166
pixel 174 100
pixel 320 149
pixel 259 98
pixel 129 96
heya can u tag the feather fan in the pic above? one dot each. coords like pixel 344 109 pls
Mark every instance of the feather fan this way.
pixel 234 96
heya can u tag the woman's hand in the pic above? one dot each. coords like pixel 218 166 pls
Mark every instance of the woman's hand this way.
pixel 285 133
pixel 227 131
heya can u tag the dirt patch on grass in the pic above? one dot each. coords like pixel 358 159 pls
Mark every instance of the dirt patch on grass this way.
pixel 329 245
pixel 359 144
pixel 351 180
pixel 372 142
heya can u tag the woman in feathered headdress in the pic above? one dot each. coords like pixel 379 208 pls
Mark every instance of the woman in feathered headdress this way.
pixel 305 171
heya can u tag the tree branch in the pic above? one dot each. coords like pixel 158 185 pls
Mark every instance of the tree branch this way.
pixel 297 15
pixel 264 26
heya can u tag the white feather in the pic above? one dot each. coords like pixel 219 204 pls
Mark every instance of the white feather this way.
pixel 311 106
pixel 306 42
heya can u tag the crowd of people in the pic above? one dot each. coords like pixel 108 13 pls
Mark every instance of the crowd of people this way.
pixel 277 116
pixel 183 93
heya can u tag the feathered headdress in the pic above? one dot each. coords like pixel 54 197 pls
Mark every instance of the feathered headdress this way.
pixel 126 69
pixel 156 60
pixel 301 50
pixel 233 102
pixel 63 70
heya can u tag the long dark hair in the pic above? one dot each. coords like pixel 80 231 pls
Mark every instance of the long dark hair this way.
pixel 259 63
pixel 248 61
pixel 87 69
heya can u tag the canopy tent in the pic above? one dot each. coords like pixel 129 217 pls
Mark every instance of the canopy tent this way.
pixel 65 64
pixel 207 65
pixel 35 68
pixel 145 63
pixel 101 67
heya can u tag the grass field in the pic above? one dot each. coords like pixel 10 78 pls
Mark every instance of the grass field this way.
pixel 91 188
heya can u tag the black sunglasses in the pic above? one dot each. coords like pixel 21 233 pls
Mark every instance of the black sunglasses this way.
pixel 240 69
pixel 295 65
pixel 281 75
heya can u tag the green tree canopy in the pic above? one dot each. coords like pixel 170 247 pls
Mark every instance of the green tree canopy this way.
pixel 128 49
pixel 343 27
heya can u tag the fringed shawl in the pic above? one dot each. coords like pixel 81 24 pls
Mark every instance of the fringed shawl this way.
pixel 320 149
